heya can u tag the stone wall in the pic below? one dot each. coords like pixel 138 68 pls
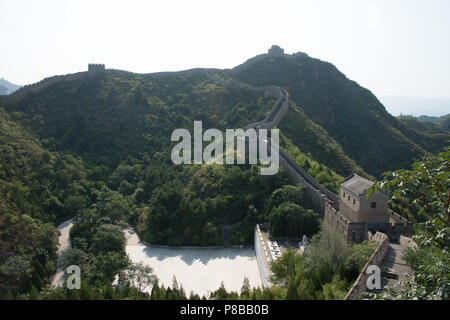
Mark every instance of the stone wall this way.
pixel 305 178
pixel 377 257
pixel 407 242
pixel 355 232
pixel 264 268
pixel 396 226
pixel 317 196
pixel 335 219
pixel 277 113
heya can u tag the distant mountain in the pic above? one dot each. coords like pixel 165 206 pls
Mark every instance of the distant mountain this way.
pixel 3 90
pixel 428 124
pixel 433 119
pixel 7 87
pixel 416 106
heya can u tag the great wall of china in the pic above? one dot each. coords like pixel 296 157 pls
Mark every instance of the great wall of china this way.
pixel 388 254
pixel 320 199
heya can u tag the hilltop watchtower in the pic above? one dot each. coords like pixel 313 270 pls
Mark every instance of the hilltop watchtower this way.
pixel 96 68
pixel 276 51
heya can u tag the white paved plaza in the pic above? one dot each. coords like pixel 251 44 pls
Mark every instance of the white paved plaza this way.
pixel 198 269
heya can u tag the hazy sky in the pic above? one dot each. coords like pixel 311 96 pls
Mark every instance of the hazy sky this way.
pixel 391 47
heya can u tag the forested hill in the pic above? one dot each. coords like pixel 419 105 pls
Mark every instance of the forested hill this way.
pixel 97 147
pixel 351 114
pixel 428 124
pixel 332 120
pixel 108 117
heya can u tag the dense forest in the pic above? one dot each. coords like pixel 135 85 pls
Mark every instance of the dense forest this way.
pixel 96 148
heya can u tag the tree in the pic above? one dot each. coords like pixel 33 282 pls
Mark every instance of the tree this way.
pixel 285 268
pixel 292 220
pixel 73 256
pixel 106 266
pixel 357 259
pixel 108 238
pixel 138 275
pixel 427 185
pixel 15 275
pixel 334 290
pixel 327 249
pixel 246 289
pixel 287 193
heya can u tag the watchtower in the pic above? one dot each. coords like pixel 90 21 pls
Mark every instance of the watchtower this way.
pixel 96 68
pixel 276 51
pixel 356 207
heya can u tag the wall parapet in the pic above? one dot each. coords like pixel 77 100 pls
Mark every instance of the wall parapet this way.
pixel 377 257
pixel 395 217
pixel 264 268
pixel 407 242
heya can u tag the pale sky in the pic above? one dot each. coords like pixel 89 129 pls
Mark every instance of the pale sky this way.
pixel 392 47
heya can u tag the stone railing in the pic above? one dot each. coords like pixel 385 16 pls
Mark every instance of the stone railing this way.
pixel 395 217
pixel 263 264
pixel 377 257
pixel 407 242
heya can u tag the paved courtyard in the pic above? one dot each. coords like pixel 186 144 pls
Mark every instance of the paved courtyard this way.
pixel 200 270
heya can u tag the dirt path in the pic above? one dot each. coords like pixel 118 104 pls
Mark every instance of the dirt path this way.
pixel 131 237
pixel 63 244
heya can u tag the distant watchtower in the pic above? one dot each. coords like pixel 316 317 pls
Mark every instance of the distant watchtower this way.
pixel 276 51
pixel 96 68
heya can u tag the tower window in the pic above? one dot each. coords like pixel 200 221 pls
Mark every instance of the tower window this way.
pixel 344 195
pixel 373 205
pixel 354 201
pixel 348 198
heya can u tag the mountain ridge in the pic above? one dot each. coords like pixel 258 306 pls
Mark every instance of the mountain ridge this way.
pixel 323 93
pixel 351 114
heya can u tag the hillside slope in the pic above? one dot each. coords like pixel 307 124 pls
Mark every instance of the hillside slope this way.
pixel 97 148
pixel 109 117
pixel 352 115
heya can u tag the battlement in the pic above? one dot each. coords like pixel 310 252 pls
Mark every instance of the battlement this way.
pixel 357 231
pixel 96 68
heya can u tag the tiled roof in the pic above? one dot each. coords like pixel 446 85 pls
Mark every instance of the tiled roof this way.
pixel 357 184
